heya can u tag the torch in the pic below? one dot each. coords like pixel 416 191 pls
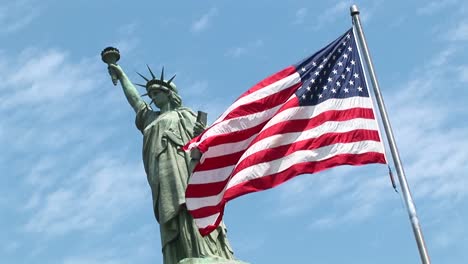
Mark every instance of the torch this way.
pixel 111 55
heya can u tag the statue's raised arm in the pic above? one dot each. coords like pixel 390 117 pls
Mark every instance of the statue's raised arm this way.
pixel 111 56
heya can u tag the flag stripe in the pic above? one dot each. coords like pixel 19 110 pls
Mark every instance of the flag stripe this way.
pixel 322 123
pixel 274 153
pixel 271 85
pixel 278 165
pixel 239 140
pixel 275 179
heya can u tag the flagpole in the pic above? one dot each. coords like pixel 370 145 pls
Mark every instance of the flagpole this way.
pixel 391 141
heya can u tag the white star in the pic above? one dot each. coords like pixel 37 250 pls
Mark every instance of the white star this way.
pixel 314 64
pixel 345 55
pixel 335 71
pixel 329 79
pixel 348 69
pixel 320 96
pixel 350 49
pixel 359 88
pixel 351 82
pixel 344 43
pixel 343 76
pixel 333 90
pixel 325 87
pixel 320 80
pixel 329 64
pixel 348 36
pixel 316 73
pixel 320 66
pixel 312 96
pixel 356 75
pixel 334 57
pixel 325 59
pixel 308 88
pixel 340 64
pixel 303 69
pixel 338 84
pixel 353 62
pixel 339 50
pixel 346 90
pixel 312 80
pixel 303 96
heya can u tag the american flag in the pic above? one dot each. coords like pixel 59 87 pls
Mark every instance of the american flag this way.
pixel 311 116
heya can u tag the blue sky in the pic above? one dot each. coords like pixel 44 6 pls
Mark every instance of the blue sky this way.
pixel 72 184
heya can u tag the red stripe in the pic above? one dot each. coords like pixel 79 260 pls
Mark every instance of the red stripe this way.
pixel 271 154
pixel 290 126
pixel 268 102
pixel 262 104
pixel 273 180
pixel 270 80
pixel 270 181
pixel 286 126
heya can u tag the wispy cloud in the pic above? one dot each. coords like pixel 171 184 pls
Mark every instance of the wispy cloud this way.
pixel 16 15
pixel 331 14
pixel 459 32
pixel 300 16
pixel 237 52
pixel 435 7
pixel 203 22
pixel 92 199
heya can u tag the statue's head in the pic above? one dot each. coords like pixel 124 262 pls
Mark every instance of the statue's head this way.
pixel 161 91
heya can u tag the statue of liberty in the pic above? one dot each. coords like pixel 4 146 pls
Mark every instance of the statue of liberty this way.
pixel 167 166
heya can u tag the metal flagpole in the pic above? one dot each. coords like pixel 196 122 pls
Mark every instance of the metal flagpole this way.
pixel 391 140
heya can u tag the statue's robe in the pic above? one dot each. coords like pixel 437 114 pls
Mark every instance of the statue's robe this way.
pixel 167 167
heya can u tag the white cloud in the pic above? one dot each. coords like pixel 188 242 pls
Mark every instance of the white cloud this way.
pixel 460 32
pixel 332 13
pixel 300 16
pixel 237 52
pixel 16 15
pixel 435 7
pixel 203 22
pixel 91 199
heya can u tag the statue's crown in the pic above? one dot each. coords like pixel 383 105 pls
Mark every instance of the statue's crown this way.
pixel 155 83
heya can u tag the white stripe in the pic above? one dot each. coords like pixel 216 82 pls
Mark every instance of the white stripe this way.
pixel 264 92
pixel 305 112
pixel 266 168
pixel 197 203
pixel 236 124
pixel 206 221
pixel 293 113
pixel 221 174
pixel 209 176
pixel 327 127
pixel 279 165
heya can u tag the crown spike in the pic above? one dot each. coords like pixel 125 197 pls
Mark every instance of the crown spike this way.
pixel 152 75
pixel 146 94
pixel 140 85
pixel 162 74
pixel 170 80
pixel 146 79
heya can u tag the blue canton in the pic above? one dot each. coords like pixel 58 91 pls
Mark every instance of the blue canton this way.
pixel 333 72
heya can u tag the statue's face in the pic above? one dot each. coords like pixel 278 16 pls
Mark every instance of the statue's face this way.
pixel 159 97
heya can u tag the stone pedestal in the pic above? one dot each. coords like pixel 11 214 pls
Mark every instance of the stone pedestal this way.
pixel 210 260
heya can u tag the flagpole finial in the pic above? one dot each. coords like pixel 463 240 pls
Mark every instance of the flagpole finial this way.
pixel 354 10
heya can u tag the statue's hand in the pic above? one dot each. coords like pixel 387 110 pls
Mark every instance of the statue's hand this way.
pixel 198 129
pixel 115 71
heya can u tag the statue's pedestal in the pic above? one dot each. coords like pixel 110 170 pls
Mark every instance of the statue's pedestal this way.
pixel 210 260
